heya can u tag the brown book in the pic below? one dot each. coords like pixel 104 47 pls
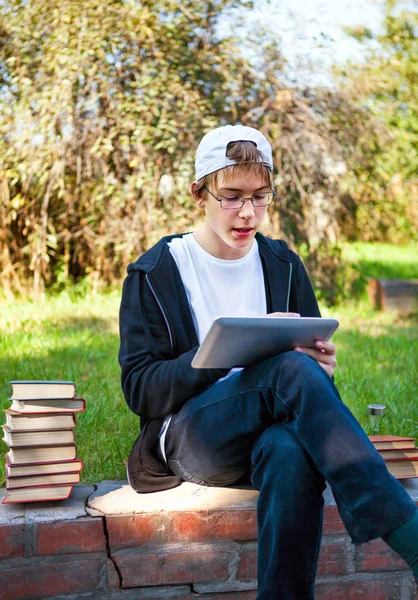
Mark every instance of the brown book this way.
pixel 30 469
pixel 394 454
pixel 27 439
pixel 13 483
pixel 403 469
pixel 385 442
pixel 26 389
pixel 48 405
pixel 39 422
pixel 36 494
pixel 24 456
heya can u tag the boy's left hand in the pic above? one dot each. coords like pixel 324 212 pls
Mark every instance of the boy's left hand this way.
pixel 325 353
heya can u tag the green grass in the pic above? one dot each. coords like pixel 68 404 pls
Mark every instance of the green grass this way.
pixel 61 339
pixel 384 261
pixel 78 340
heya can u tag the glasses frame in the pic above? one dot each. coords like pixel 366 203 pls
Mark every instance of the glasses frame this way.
pixel 244 200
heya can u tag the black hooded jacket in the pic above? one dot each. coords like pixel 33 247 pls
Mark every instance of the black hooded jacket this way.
pixel 158 342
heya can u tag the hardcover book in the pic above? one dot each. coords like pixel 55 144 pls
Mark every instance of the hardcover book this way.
pixel 25 389
pixel 22 456
pixel 34 494
pixel 403 469
pixel 30 469
pixel 385 442
pixel 399 453
pixel 13 483
pixel 20 439
pixel 39 422
pixel 48 405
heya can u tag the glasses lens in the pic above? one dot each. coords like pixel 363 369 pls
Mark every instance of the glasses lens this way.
pixel 258 200
pixel 232 202
pixel 262 199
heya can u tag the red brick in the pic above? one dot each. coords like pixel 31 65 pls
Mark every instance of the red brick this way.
pixel 248 564
pixel 135 530
pixel 209 525
pixel 332 521
pixel 172 564
pixel 377 556
pixel 12 541
pixel 332 558
pixel 369 588
pixel 27 579
pixel 67 537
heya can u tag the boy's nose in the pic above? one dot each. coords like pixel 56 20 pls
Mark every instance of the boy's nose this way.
pixel 247 209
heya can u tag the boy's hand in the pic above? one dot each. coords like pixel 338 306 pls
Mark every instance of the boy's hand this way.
pixel 325 353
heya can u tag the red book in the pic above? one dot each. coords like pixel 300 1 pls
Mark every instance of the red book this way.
pixel 406 468
pixel 48 468
pixel 13 483
pixel 28 439
pixel 38 493
pixel 386 442
pixel 39 421
pixel 49 454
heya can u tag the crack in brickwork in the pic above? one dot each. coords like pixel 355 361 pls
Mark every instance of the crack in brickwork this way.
pixel 109 552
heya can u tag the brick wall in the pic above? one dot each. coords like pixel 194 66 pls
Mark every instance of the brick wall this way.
pixel 109 543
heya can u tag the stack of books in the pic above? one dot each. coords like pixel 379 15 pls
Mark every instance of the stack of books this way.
pixel 42 462
pixel 400 454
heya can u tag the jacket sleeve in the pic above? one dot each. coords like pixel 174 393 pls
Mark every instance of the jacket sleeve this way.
pixel 302 296
pixel 155 383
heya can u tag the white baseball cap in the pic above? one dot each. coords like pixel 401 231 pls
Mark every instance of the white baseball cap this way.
pixel 211 152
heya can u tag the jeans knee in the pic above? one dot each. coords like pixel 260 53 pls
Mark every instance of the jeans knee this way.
pixel 277 444
pixel 279 456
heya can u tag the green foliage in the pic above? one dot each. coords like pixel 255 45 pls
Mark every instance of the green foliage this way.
pixel 334 280
pixel 76 340
pixel 102 105
pixel 98 101
pixel 382 189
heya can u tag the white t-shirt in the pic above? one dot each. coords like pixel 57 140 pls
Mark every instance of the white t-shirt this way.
pixel 216 287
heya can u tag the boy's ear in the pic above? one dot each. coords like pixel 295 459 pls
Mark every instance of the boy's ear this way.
pixel 197 195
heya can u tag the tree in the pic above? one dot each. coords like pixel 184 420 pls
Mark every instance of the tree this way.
pixel 384 190
pixel 98 101
pixel 102 106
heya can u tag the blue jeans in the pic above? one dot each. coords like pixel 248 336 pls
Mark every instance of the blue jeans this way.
pixel 283 421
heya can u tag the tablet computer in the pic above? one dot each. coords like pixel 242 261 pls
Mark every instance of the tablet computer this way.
pixel 242 341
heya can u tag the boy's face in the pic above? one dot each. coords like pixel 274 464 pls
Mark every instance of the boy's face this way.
pixel 229 234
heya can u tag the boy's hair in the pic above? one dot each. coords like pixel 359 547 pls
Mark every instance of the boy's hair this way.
pixel 249 161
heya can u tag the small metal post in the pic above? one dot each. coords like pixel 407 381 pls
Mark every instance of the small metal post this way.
pixel 376 412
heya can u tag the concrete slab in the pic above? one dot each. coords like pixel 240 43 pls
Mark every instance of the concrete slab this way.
pixel 118 498
pixel 411 486
pixel 11 514
pixel 71 508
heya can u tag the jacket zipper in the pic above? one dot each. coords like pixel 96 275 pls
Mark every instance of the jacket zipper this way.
pixel 288 290
pixel 161 308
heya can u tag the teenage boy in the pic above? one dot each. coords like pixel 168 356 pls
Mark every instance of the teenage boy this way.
pixel 280 422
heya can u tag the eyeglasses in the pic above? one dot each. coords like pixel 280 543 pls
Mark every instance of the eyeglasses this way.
pixel 235 202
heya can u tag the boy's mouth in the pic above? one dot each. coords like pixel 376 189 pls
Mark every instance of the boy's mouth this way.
pixel 242 232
